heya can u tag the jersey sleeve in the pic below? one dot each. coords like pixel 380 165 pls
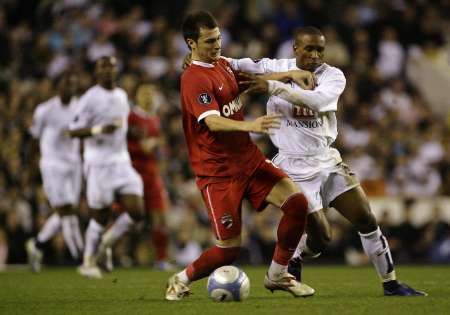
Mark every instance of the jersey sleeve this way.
pixel 84 114
pixel 198 97
pixel 323 98
pixel 38 123
pixel 261 66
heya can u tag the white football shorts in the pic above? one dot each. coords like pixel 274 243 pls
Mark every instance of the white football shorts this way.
pixel 105 181
pixel 322 185
pixel 62 182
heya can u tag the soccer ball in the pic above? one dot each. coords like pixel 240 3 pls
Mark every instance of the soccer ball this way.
pixel 228 283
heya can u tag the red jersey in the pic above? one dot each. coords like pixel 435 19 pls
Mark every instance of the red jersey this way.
pixel 142 125
pixel 212 89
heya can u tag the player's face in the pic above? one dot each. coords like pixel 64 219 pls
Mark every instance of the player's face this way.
pixel 106 70
pixel 144 97
pixel 309 51
pixel 208 46
pixel 69 86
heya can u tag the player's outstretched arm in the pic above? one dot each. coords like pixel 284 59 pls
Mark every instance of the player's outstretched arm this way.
pixel 263 124
pixel 95 130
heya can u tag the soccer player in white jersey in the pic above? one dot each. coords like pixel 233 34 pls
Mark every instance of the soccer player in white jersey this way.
pixel 304 140
pixel 102 120
pixel 60 166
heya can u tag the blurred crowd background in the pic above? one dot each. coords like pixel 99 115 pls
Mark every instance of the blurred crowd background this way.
pixel 394 114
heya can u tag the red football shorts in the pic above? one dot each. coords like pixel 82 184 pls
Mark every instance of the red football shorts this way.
pixel 223 200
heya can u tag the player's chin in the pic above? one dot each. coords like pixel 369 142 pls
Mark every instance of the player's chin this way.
pixel 215 56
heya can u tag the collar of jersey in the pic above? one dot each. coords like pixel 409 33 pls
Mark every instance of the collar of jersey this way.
pixel 202 64
pixel 320 68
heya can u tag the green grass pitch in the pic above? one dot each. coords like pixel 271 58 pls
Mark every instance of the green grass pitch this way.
pixel 339 290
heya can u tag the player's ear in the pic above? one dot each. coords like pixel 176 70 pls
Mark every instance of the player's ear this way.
pixel 192 44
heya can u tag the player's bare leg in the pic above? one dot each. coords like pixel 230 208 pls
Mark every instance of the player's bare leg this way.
pixel 354 206
pixel 294 205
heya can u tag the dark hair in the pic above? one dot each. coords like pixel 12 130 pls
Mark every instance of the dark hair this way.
pixel 307 30
pixel 194 21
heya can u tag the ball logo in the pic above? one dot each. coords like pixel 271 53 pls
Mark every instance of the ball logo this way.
pixel 204 98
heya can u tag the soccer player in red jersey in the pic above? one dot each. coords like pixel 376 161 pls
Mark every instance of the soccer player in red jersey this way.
pixel 143 139
pixel 229 167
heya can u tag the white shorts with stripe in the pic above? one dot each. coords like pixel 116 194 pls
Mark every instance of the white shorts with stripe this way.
pixel 62 182
pixel 320 185
pixel 105 181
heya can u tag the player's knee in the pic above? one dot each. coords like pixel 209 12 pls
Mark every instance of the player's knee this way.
pixel 295 205
pixel 228 254
pixel 136 214
pixel 229 243
pixel 64 210
pixel 101 216
pixel 366 222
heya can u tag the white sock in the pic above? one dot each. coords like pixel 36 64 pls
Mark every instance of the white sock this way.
pixel 68 236
pixel 50 228
pixel 182 276
pixel 301 246
pixel 92 236
pixel 376 247
pixel 119 228
pixel 76 232
pixel 276 270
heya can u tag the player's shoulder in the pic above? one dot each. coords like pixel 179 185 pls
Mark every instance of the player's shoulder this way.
pixel 331 70
pixel 193 74
pixel 48 104
pixel 120 91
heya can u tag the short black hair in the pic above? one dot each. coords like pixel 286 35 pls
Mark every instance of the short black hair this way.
pixel 307 30
pixel 196 20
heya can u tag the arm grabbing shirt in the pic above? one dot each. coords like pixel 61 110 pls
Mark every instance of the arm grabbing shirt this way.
pixel 323 98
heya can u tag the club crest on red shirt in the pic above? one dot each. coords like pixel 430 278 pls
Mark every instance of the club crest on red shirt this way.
pixel 204 98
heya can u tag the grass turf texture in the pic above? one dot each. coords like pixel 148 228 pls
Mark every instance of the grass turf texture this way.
pixel 339 289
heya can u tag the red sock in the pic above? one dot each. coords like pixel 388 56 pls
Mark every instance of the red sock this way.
pixel 210 260
pixel 291 227
pixel 160 243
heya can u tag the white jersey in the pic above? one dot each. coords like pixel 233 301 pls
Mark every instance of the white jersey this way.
pixel 50 120
pixel 99 106
pixel 308 126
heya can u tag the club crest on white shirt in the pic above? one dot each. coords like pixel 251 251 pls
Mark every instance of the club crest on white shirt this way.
pixel 302 112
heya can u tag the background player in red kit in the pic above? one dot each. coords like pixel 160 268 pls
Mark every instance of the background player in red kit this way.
pixel 143 139
pixel 229 167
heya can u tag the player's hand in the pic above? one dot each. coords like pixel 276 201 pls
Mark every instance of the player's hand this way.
pixel 266 124
pixel 187 61
pixel 110 128
pixel 148 144
pixel 304 79
pixel 255 84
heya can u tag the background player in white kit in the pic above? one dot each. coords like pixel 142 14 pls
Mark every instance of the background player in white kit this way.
pixel 304 140
pixel 60 166
pixel 102 119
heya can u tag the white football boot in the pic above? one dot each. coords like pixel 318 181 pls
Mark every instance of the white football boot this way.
pixel 89 269
pixel 34 255
pixel 176 290
pixel 287 282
